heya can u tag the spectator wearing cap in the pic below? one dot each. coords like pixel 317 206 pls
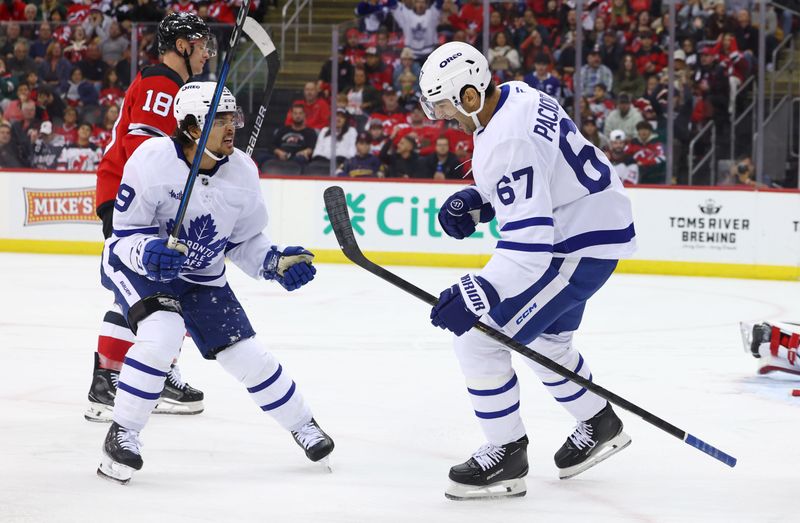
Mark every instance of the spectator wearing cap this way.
pixel 401 160
pixel 364 164
pixel 541 79
pixel 407 66
pixel 352 50
pixel 627 78
pixel 317 109
pixel 503 59
pixel 622 161
pixel 362 98
pixel 611 50
pixel 591 132
pixel 624 117
pixel 391 114
pixel 650 59
pixel 648 152
pixel 594 72
pixel 345 140
pixel 379 73
pixel 713 89
pixel 45 149
pixel 96 23
pixel 419 25
pixel 54 70
pixel 295 142
pixel 441 164
pixel 374 14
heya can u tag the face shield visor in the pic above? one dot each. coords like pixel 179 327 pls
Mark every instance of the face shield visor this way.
pixel 234 118
pixel 438 110
pixel 208 44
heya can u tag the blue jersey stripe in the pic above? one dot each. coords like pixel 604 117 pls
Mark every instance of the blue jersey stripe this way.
pixel 592 238
pixel 557 383
pixel 525 247
pixel 493 392
pixel 266 383
pixel 121 233
pixel 197 278
pixel 498 413
pixel 136 392
pixel 527 222
pixel 142 367
pixel 573 397
pixel 275 404
pixel 231 245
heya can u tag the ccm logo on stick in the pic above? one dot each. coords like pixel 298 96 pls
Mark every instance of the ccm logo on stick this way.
pixel 448 60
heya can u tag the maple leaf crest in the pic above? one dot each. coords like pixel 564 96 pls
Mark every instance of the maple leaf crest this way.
pixel 200 240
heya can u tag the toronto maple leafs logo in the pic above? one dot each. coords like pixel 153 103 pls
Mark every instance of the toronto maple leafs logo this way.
pixel 203 248
pixel 177 195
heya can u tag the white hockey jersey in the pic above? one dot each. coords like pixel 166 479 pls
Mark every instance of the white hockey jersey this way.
pixel 226 214
pixel 555 194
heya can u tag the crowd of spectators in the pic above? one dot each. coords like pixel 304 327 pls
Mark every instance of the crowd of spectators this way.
pixel 65 65
pixel 64 68
pixel 623 77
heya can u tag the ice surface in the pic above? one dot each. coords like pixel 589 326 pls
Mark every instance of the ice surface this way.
pixel 386 386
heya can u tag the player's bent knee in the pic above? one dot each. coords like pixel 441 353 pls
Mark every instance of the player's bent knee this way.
pixel 150 305
pixel 248 361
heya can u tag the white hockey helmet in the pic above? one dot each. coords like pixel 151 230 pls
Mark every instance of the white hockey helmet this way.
pixel 445 73
pixel 194 98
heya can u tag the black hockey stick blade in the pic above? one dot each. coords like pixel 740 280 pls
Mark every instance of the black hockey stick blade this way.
pixel 264 43
pixel 336 206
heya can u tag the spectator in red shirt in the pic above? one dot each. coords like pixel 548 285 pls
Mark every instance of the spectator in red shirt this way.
pixel 650 59
pixel 424 135
pixel 12 10
pixel 68 130
pixel 111 92
pixel 76 50
pixel 390 114
pixel 378 72
pixel 352 50
pixel 318 110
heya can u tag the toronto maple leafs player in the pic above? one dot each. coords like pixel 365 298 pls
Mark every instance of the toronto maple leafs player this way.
pixel 164 292
pixel 564 221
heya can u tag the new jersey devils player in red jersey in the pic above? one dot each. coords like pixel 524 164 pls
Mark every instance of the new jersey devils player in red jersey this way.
pixel 185 45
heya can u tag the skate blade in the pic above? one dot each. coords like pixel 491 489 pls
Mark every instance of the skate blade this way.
pixel 177 408
pixel 614 445
pixel 98 413
pixel 510 488
pixel 113 471
pixel 325 463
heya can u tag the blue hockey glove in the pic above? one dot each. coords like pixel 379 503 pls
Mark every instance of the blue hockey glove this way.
pixel 159 262
pixel 462 305
pixel 291 268
pixel 462 211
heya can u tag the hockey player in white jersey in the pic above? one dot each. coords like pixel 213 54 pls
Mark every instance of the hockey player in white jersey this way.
pixel 164 293
pixel 564 221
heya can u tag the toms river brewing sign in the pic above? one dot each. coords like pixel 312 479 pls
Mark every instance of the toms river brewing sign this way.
pixel 711 227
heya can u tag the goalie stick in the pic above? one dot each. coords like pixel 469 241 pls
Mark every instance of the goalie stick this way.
pixel 336 206
pixel 172 241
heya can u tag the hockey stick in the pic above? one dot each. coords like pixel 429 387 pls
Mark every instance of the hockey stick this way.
pixel 172 241
pixel 340 221
pixel 261 38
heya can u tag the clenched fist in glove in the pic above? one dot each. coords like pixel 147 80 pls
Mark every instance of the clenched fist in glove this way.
pixel 291 267
pixel 462 305
pixel 462 211
pixel 157 261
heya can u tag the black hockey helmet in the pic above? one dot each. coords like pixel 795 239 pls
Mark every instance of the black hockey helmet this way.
pixel 180 25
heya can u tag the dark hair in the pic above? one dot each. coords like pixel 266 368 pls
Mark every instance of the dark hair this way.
pixel 180 134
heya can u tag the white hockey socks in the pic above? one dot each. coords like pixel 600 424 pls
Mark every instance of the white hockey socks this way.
pixel 578 401
pixel 496 404
pixel 268 383
pixel 141 380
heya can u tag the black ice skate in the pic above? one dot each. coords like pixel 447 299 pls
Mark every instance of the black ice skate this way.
pixel 753 336
pixel 314 442
pixel 178 397
pixel 593 441
pixel 492 472
pixel 121 454
pixel 101 393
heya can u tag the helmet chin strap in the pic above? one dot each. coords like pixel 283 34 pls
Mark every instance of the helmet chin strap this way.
pixel 188 64
pixel 205 149
pixel 474 114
